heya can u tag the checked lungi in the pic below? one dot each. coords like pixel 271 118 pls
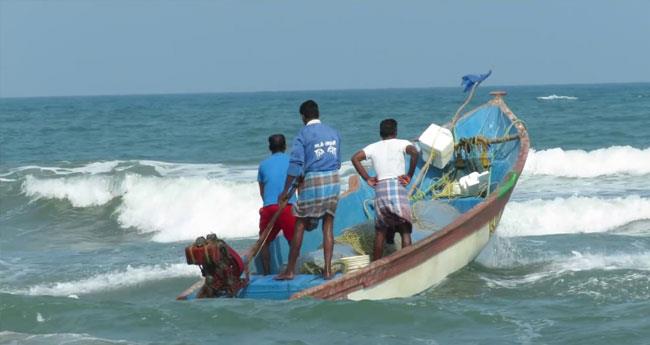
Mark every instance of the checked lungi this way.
pixel 318 194
pixel 391 205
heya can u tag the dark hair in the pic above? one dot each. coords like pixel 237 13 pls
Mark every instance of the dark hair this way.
pixel 277 143
pixel 309 109
pixel 388 128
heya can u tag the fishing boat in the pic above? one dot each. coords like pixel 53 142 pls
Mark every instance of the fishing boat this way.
pixel 490 146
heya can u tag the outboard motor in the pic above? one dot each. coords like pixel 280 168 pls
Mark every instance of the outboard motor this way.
pixel 221 266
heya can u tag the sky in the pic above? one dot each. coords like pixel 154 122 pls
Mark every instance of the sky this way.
pixel 96 47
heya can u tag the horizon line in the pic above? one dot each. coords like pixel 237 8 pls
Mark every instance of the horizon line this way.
pixel 313 90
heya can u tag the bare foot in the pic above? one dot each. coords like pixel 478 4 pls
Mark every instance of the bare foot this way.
pixel 327 275
pixel 284 276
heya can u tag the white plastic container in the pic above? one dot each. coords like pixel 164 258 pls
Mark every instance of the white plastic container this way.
pixel 473 183
pixel 355 263
pixel 442 142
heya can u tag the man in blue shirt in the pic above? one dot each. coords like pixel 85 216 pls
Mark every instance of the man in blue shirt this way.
pixel 315 156
pixel 271 175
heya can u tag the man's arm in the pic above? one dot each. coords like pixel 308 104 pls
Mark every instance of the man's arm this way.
pixel 413 152
pixel 297 158
pixel 296 163
pixel 284 196
pixel 356 162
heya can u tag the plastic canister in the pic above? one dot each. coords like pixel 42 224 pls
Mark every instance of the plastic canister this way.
pixel 473 183
pixel 441 141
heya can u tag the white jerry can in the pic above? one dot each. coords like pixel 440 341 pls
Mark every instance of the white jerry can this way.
pixel 442 142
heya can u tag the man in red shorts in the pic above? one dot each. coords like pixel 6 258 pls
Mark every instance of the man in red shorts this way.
pixel 271 175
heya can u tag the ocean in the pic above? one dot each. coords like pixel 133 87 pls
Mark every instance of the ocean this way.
pixel 99 196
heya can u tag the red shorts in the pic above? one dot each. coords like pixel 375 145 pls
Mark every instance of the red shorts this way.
pixel 286 221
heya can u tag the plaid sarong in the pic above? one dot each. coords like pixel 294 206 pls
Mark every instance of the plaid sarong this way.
pixel 391 204
pixel 318 195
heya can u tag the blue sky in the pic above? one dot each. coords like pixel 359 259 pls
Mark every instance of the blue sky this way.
pixel 52 48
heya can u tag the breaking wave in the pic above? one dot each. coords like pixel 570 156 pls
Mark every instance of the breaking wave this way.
pixel 571 215
pixel 179 202
pixel 556 97
pixel 115 280
pixel 164 169
pixel 81 191
pixel 90 168
pixel 184 208
pixel 579 163
pixel 9 337
pixel 173 208
pixel 638 263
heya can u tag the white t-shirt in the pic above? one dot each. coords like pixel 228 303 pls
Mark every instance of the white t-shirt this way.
pixel 387 157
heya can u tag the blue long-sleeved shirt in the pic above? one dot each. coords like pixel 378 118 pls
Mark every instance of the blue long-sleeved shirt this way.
pixel 315 148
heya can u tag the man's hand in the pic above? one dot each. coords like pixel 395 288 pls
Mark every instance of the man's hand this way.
pixel 372 181
pixel 404 179
pixel 283 198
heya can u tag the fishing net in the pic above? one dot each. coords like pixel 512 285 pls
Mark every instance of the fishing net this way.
pixel 432 215
pixel 428 216
pixel 314 261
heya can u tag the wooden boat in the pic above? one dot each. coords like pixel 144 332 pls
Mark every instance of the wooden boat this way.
pixel 431 258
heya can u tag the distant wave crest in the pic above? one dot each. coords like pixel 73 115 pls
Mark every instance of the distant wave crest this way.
pixel 556 97
pixel 579 163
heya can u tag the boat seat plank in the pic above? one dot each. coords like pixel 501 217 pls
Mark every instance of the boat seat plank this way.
pixel 265 287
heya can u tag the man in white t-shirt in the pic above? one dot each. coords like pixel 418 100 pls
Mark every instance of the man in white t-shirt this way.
pixel 391 198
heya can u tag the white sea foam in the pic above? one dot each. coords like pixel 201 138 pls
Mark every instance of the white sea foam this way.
pixel 167 169
pixel 183 208
pixel 174 209
pixel 579 163
pixel 90 168
pixel 131 276
pixel 554 97
pixel 230 173
pixel 9 337
pixel 186 201
pixel 571 215
pixel 579 262
pixel 81 191
pixel 586 262
pixel 96 167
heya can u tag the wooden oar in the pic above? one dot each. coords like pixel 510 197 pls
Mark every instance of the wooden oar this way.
pixel 264 236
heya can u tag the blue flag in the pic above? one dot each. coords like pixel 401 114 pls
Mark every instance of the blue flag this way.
pixel 471 79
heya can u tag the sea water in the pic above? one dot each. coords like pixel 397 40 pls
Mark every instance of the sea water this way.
pixel 99 196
